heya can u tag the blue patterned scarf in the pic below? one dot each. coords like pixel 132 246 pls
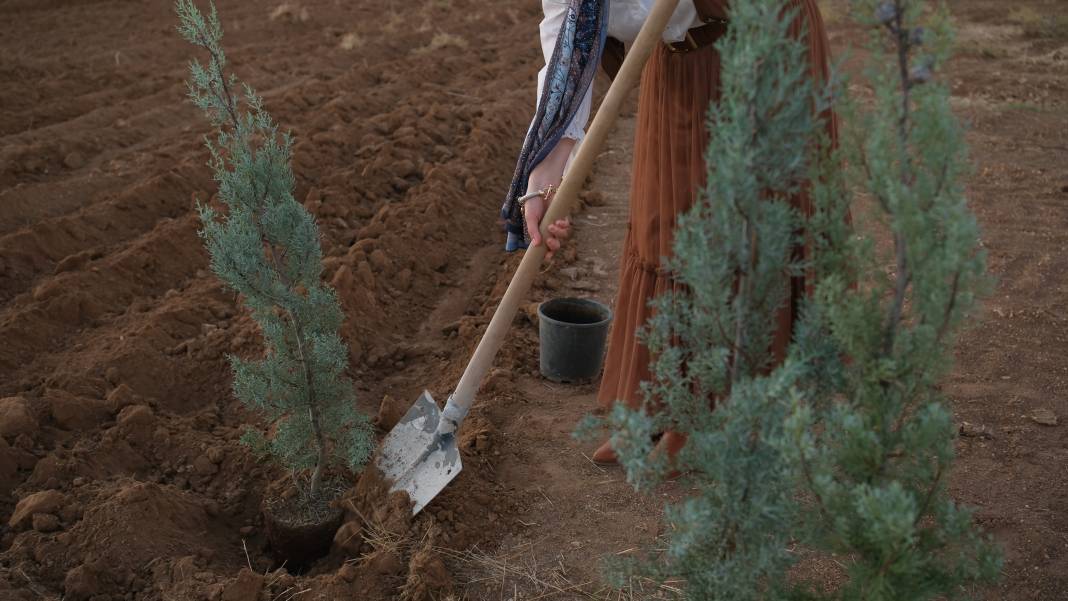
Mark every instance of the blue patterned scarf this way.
pixel 569 74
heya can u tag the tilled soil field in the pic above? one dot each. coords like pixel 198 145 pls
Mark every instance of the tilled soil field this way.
pixel 121 474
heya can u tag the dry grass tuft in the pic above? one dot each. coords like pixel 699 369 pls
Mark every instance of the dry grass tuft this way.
pixel 394 22
pixel 1053 24
pixel 442 40
pixel 292 11
pixel 383 541
pixel 518 575
pixel 380 539
pixel 349 41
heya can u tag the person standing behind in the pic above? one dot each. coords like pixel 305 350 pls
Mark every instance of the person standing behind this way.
pixel 678 84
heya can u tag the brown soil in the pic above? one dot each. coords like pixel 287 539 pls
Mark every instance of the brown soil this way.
pixel 121 476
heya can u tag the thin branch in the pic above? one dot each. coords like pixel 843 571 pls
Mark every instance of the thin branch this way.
pixel 904 277
pixel 897 307
pixel 806 472
pixel 947 317
pixel 930 496
pixel 218 62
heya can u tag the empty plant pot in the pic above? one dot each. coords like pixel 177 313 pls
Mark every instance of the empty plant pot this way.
pixel 573 333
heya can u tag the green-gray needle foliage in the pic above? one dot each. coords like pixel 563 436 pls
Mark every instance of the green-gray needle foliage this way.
pixel 266 247
pixel 873 444
pixel 838 453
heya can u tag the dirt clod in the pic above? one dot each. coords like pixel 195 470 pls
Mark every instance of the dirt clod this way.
pixel 122 397
pixel 45 501
pixel 366 274
pixel 204 466
pixel 74 160
pixel 246 587
pixel 136 416
pixel 81 583
pixel 1044 417
pixel 381 262
pixel 9 467
pixel 215 455
pixel 428 578
pixel 371 500
pixel 390 412
pixel 970 430
pixel 348 572
pixel 45 522
pixel 76 413
pixel 73 263
pixel 16 417
pixel 347 540
pixel 385 562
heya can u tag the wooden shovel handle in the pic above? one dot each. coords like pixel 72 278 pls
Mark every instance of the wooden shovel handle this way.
pixel 564 201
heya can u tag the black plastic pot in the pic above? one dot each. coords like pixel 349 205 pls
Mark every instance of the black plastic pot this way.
pixel 573 333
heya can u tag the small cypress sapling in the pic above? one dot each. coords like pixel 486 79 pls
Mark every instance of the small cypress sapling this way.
pixel 266 247
pixel 715 379
pixel 873 450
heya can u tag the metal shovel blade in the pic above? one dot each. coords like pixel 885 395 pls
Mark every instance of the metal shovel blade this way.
pixel 415 458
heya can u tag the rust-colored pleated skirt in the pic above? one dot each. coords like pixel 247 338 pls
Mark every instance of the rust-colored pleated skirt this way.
pixel 668 170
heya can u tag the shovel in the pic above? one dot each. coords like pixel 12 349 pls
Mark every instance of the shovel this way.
pixel 420 455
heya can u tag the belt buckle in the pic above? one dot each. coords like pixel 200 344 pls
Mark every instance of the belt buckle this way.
pixel 684 45
pixel 690 40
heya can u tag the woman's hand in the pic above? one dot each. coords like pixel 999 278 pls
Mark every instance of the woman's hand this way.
pixel 547 173
pixel 559 230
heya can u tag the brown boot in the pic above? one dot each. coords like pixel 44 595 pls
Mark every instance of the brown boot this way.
pixel 605 454
pixel 671 443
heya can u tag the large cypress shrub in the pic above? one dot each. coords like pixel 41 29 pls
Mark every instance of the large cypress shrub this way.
pixel 841 453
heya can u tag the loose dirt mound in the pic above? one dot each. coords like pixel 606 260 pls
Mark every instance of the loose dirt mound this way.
pixel 119 457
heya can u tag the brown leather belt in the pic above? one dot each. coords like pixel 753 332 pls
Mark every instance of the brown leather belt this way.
pixel 702 36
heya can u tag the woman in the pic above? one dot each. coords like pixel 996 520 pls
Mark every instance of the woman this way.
pixel 677 86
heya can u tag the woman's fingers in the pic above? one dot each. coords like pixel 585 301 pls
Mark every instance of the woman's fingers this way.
pixel 552 244
pixel 560 229
pixel 532 214
pixel 557 230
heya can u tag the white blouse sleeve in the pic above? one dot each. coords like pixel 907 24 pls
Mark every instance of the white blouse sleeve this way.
pixel 555 10
pixel 626 18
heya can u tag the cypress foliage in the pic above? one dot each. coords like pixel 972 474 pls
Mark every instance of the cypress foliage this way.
pixel 873 456
pixel 266 247
pixel 844 448
pixel 710 340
